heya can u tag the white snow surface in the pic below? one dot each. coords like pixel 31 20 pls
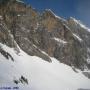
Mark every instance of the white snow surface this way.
pixel 20 1
pixel 18 15
pixel 60 40
pixel 77 37
pixel 41 75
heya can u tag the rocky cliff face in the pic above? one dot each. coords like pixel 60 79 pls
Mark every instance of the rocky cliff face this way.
pixel 44 34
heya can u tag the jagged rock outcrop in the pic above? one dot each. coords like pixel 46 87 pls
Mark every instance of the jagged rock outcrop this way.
pixel 6 54
pixel 36 32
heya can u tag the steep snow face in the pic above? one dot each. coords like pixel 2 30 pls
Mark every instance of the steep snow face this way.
pixel 41 75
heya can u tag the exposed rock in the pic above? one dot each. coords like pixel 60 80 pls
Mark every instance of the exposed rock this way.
pixel 22 80
pixel 6 54
pixel 87 74
pixel 83 89
pixel 35 32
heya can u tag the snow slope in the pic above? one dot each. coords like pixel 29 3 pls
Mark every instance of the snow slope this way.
pixel 41 75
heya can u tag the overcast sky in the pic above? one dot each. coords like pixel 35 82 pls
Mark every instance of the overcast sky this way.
pixel 79 9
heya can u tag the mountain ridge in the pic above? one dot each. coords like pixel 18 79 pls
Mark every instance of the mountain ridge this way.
pixel 35 32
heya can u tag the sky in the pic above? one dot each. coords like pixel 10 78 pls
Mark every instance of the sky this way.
pixel 79 9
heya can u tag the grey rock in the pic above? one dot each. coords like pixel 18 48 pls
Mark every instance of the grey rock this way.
pixel 35 32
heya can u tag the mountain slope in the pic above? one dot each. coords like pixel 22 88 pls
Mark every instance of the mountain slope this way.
pixel 41 75
pixel 42 51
